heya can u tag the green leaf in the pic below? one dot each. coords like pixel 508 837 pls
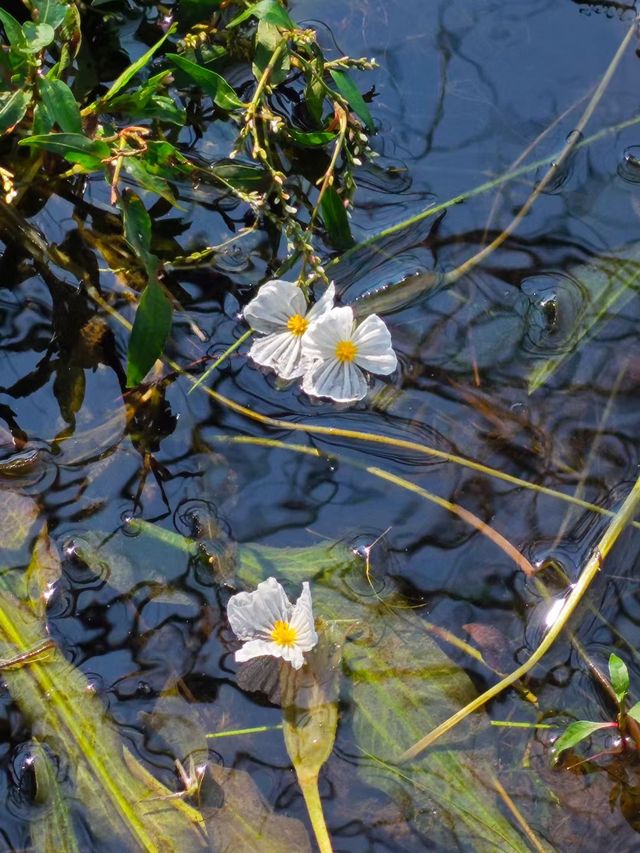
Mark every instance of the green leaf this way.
pixel 13 107
pixel 351 93
pixel 634 712
pixel 150 331
pixel 267 10
pixel 311 138
pixel 50 12
pixel 137 168
pixel 268 40
pixel 576 732
pixel 59 102
pixel 52 827
pixel 241 177
pixel 619 675
pixel 211 83
pixel 604 285
pixel 56 698
pixel 37 36
pixel 13 29
pixel 132 70
pixel 335 219
pixel 74 147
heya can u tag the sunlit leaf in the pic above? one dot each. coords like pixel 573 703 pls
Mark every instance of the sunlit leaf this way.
pixel 336 221
pixel 37 36
pixel 267 10
pixel 634 712
pixel 13 29
pixel 619 675
pixel 74 147
pixel 56 699
pixel 211 83
pixel 268 40
pixel 351 93
pixel 150 331
pixel 134 69
pixel 59 102
pixel 576 732
pixel 50 12
pixel 136 167
pixel 312 138
pixel 13 108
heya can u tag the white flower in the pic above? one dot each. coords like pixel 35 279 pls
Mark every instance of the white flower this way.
pixel 337 349
pixel 279 312
pixel 269 624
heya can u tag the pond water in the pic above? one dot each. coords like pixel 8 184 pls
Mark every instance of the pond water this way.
pixel 463 89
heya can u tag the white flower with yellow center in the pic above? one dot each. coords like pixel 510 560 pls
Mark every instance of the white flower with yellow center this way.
pixel 337 352
pixel 279 313
pixel 268 624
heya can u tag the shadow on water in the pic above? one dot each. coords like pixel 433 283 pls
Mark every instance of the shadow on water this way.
pixel 463 88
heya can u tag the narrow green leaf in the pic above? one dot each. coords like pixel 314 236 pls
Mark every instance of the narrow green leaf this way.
pixel 132 70
pixel 13 107
pixel 137 230
pixel 634 712
pixel 211 83
pixel 136 167
pixel 52 829
pixel 13 29
pixel 150 331
pixel 61 105
pixel 311 138
pixel 37 36
pixel 335 219
pixel 267 10
pixel 619 675
pixel 268 40
pixel 241 177
pixel 350 91
pixel 576 732
pixel 74 147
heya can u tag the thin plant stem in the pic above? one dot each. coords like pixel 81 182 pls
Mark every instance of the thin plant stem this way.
pixel 621 519
pixel 554 169
pixel 497 538
pixel 309 787
pixel 218 361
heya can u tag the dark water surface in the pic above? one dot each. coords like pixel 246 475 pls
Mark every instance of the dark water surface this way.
pixel 462 90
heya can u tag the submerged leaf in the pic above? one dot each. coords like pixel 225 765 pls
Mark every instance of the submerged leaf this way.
pixel 51 831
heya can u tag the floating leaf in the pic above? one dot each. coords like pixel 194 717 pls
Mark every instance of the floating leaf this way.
pixel 619 675
pixel 211 83
pixel 576 732
pixel 335 219
pixel 51 831
pixel 56 699
pixel 350 91
pixel 60 104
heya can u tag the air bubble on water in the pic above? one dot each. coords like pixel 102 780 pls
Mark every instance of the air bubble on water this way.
pixel 629 166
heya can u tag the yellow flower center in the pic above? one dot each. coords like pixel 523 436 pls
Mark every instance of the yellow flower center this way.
pixel 297 324
pixel 283 634
pixel 346 350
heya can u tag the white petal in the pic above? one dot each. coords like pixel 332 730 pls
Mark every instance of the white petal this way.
pixel 252 615
pixel 276 301
pixel 373 341
pixel 294 655
pixel 256 649
pixel 323 305
pixel 282 352
pixel 324 334
pixel 302 620
pixel 340 380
